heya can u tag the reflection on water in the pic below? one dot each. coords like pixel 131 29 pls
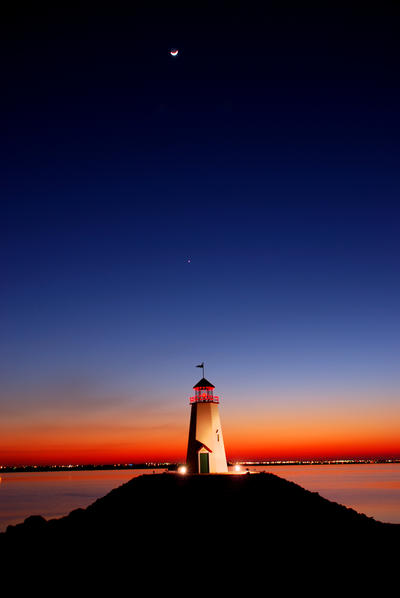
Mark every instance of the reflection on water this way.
pixel 371 489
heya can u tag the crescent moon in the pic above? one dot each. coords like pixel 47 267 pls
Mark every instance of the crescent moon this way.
pixel 174 52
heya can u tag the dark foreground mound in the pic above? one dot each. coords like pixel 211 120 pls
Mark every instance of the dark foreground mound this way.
pixel 178 521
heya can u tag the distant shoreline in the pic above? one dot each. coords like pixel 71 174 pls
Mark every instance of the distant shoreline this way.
pixel 173 466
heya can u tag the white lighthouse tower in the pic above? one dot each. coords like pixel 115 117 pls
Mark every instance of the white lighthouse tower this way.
pixel 206 451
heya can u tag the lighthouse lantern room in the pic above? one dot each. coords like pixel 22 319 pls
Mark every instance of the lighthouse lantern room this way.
pixel 206 450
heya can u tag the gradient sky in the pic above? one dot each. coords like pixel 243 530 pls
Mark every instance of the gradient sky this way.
pixel 267 154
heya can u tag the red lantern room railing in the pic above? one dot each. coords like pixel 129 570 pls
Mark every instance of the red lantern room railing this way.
pixel 204 392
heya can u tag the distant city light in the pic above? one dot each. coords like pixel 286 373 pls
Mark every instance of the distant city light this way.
pixel 237 468
pixel 182 469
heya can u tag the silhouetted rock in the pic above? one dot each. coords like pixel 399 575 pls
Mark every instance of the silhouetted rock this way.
pixel 173 521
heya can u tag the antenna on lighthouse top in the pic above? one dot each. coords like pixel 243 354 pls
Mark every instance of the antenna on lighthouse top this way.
pixel 201 366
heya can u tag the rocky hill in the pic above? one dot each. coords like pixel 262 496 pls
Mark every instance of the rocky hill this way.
pixel 174 521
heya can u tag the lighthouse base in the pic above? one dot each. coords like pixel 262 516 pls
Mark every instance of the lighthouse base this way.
pixel 206 450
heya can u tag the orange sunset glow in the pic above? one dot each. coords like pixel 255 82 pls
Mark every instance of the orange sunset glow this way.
pixel 142 435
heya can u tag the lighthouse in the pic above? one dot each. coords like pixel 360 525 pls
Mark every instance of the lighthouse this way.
pixel 206 451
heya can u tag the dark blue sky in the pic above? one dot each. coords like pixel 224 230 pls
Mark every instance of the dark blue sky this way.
pixel 267 153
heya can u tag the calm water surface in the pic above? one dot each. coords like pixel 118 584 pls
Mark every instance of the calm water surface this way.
pixel 370 489
pixel 54 494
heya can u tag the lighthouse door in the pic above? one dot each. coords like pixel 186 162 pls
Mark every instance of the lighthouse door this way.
pixel 204 463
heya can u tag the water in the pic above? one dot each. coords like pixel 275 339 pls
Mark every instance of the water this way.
pixel 373 489
pixel 54 494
